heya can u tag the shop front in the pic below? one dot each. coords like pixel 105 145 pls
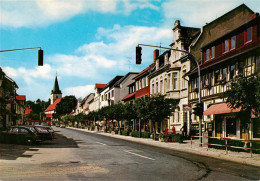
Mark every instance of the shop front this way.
pixel 226 123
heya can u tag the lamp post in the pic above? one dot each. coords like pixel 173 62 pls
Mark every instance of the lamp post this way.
pixel 40 53
pixel 139 59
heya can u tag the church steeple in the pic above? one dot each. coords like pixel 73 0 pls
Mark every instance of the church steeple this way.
pixel 56 88
pixel 56 92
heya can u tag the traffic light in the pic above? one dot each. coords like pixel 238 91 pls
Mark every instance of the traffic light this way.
pixel 138 55
pixel 40 57
pixel 198 109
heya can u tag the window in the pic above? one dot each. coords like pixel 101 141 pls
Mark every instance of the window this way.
pixel 249 66
pixel 216 76
pixel 213 52
pixel 248 34
pixel 257 64
pixel 226 46
pixel 22 130
pixel 136 85
pixel 146 81
pixel 102 98
pixel 207 54
pixel 156 87
pixel 210 53
pixel 112 93
pixel 165 85
pixel 191 84
pixel 175 81
pixel 183 79
pixel 232 72
pixel 143 85
pixel 203 80
pixel 224 73
pixel 209 78
pixel 233 42
pixel 161 86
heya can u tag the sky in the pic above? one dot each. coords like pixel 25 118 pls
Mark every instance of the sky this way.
pixel 91 41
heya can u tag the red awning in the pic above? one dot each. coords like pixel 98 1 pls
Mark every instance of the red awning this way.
pixel 129 96
pixel 221 108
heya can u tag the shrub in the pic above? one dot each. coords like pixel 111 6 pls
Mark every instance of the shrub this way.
pixel 179 138
pixel 124 132
pixel 145 134
pixel 92 128
pixel 135 134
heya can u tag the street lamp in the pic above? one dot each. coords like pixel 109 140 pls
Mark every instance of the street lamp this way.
pixel 40 53
pixel 139 59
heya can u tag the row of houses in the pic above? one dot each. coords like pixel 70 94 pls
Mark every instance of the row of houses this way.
pixel 12 105
pixel 224 48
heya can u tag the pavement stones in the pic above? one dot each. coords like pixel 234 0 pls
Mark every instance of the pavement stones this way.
pixel 239 157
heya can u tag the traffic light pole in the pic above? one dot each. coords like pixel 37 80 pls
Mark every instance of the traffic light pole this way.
pixel 199 88
pixel 40 53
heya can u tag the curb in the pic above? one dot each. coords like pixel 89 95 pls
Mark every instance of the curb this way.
pixel 247 160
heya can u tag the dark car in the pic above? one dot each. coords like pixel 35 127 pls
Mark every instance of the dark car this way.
pixel 22 135
pixel 43 134
pixel 48 128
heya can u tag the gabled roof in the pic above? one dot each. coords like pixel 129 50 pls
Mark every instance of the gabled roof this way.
pixel 53 106
pixel 99 86
pixel 144 71
pixel 112 82
pixel 129 96
pixel 86 98
pixel 117 84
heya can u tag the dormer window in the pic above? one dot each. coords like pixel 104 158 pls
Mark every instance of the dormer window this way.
pixel 248 34
pixel 210 53
pixel 233 42
pixel 229 44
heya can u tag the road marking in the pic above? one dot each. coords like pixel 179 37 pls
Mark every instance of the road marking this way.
pixel 101 143
pixel 140 155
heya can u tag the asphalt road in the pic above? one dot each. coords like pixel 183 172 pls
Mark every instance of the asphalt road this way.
pixel 76 155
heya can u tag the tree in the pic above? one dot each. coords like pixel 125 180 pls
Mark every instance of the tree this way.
pixel 160 108
pixel 142 111
pixel 129 113
pixel 244 93
pixel 66 105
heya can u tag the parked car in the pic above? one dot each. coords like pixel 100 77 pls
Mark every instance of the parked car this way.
pixel 21 135
pixel 43 134
pixel 48 128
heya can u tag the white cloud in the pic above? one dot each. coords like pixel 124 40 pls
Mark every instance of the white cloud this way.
pixel 198 12
pixel 29 75
pixel 79 91
pixel 45 12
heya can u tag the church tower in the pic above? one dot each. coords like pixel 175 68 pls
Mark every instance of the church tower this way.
pixel 56 92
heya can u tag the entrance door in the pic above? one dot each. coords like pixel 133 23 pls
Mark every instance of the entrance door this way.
pixel 231 127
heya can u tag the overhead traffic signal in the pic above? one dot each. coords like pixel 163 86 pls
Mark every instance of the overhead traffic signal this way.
pixel 40 57
pixel 138 55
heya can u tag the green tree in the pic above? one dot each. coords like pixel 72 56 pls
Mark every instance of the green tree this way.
pixel 66 105
pixel 129 113
pixel 160 108
pixel 244 93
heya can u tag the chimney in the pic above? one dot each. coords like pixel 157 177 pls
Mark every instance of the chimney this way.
pixel 255 15
pixel 155 54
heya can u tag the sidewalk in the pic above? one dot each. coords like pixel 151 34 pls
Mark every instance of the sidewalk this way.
pixel 240 157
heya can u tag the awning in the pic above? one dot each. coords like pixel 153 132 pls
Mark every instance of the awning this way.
pixel 221 108
pixel 48 115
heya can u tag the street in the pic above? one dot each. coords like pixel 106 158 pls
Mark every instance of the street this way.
pixel 76 155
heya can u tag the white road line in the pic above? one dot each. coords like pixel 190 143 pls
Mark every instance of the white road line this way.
pixel 101 143
pixel 140 155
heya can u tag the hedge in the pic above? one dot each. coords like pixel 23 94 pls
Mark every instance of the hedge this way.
pixel 143 134
pixel 124 132
pixel 172 137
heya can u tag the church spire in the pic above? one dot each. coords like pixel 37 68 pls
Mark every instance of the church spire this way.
pixel 56 88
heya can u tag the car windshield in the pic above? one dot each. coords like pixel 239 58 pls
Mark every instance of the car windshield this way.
pixel 43 130
pixel 32 129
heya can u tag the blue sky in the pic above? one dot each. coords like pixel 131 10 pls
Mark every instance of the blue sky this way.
pixel 91 41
